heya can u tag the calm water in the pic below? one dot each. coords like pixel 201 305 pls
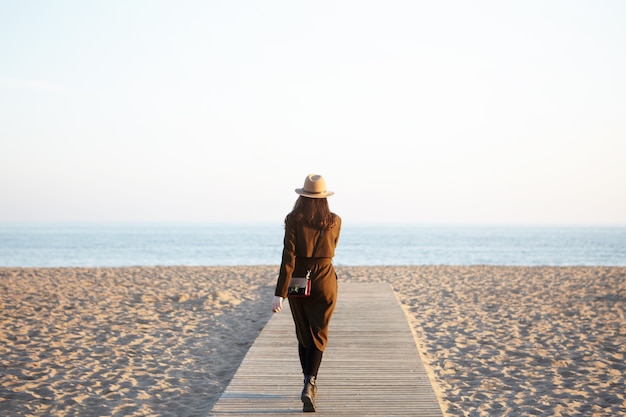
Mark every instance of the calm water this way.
pixel 168 244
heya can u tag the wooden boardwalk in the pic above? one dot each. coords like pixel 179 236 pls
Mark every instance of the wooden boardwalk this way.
pixel 371 366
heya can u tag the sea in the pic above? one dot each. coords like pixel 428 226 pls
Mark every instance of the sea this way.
pixel 168 244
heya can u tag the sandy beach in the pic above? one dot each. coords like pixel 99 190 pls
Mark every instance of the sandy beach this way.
pixel 165 341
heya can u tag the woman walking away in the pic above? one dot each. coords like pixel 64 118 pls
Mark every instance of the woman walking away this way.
pixel 311 235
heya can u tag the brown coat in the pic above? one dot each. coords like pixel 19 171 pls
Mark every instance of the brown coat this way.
pixel 312 314
pixel 298 246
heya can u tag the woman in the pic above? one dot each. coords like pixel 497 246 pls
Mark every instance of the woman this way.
pixel 311 315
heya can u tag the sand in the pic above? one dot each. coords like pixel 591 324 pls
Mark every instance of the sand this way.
pixel 165 341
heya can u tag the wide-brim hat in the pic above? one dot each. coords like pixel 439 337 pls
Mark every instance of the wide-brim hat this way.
pixel 314 187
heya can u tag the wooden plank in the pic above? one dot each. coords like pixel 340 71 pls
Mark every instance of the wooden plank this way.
pixel 371 366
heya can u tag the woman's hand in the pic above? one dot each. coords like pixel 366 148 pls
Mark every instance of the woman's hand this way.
pixel 277 304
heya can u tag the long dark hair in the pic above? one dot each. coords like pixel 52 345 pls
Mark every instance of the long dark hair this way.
pixel 313 212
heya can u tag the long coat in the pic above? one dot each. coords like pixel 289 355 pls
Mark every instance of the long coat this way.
pixel 311 314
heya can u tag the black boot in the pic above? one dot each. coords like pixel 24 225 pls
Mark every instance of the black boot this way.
pixel 309 392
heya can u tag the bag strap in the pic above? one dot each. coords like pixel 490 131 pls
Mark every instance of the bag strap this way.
pixel 308 272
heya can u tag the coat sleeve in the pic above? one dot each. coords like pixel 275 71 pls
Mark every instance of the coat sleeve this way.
pixel 288 262
pixel 338 228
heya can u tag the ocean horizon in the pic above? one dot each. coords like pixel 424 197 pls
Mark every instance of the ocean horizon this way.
pixel 212 244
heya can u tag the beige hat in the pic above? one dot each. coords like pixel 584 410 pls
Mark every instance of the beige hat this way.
pixel 314 187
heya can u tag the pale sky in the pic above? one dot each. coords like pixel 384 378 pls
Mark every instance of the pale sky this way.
pixel 454 112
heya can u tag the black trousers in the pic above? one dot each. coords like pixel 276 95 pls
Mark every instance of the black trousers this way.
pixel 310 359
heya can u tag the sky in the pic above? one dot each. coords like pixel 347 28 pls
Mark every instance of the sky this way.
pixel 447 112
